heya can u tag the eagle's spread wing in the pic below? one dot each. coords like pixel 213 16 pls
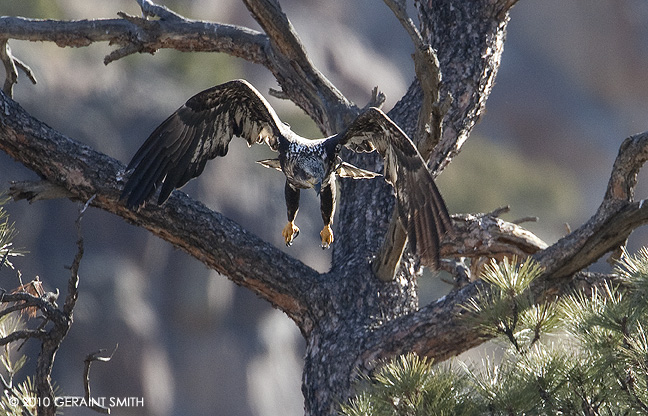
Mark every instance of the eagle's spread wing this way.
pixel 198 131
pixel 421 208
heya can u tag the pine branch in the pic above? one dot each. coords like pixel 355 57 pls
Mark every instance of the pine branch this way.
pixel 440 331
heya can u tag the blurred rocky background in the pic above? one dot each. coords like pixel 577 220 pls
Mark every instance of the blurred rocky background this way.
pixel 573 84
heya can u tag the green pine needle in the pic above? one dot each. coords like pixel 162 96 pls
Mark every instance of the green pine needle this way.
pixel 412 385
pixel 597 363
pixel 512 278
pixel 506 309
pixel 7 234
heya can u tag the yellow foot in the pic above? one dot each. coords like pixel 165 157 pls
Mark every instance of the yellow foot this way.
pixel 290 232
pixel 327 236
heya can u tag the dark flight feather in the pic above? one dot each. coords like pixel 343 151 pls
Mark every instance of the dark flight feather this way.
pixel 421 208
pixel 201 129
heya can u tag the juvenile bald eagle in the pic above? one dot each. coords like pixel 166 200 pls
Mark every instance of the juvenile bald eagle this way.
pixel 202 128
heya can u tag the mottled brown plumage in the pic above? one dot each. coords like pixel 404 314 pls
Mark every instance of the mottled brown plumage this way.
pixel 421 208
pixel 202 128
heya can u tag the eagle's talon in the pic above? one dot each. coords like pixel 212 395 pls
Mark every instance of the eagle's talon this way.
pixel 289 233
pixel 327 236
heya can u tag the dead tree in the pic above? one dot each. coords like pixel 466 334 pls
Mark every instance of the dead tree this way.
pixel 348 316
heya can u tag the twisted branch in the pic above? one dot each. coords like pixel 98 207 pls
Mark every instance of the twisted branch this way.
pixel 439 330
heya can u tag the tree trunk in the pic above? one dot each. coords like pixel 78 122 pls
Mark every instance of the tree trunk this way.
pixel 468 38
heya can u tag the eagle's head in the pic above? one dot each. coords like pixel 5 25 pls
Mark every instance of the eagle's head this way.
pixel 307 171
pixel 307 163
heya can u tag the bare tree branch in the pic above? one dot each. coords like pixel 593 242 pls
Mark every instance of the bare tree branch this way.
pixel 283 55
pixel 90 358
pixel 155 10
pixel 213 239
pixel 23 334
pixel 428 74
pixel 33 296
pixel 17 307
pixel 34 191
pixel 10 68
pixel 464 74
pixel 62 320
pixel 73 282
pixel 142 35
pixel 26 300
pixel 439 331
pixel 485 235
pixel 11 65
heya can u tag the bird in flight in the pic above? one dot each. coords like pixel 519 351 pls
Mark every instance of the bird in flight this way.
pixel 202 128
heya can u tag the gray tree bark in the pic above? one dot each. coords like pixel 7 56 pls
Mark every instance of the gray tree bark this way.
pixel 348 317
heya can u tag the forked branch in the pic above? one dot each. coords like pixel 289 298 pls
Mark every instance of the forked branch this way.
pixel 11 66
pixel 439 331
pixel 32 299
pixel 90 358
